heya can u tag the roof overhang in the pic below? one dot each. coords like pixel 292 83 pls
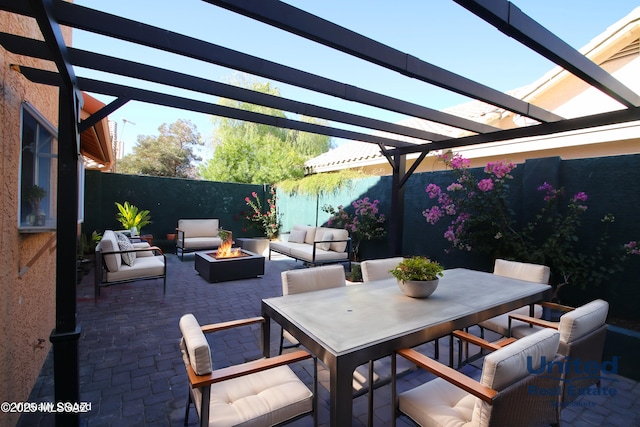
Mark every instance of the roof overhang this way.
pixel 95 141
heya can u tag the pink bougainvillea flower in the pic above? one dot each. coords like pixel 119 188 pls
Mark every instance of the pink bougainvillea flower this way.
pixel 485 185
pixel 433 190
pixel 581 196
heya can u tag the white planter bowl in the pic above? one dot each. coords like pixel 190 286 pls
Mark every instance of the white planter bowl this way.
pixel 418 288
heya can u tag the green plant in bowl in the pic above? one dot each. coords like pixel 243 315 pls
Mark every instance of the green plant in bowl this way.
pixel 417 268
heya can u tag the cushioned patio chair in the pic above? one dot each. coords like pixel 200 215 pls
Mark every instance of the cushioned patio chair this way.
pixel 378 269
pixel 522 271
pixel 308 280
pixel 582 335
pixel 264 392
pixel 120 261
pixel 500 324
pixel 503 395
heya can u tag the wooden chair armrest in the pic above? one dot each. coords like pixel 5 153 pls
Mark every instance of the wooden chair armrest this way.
pixel 236 371
pixel 214 327
pixel 482 343
pixel 449 374
pixel 535 321
pixel 559 307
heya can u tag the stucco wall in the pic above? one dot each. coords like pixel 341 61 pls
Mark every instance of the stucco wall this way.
pixel 27 302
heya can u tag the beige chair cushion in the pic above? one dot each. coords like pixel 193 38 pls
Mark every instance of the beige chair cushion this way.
pixel 378 269
pixel 500 323
pixel 201 242
pixel 574 324
pixel 579 322
pixel 339 234
pixel 261 399
pixel 199 227
pixel 312 279
pixel 522 271
pixel 109 243
pixel 305 252
pixel 194 343
pixel 512 363
pixel 438 403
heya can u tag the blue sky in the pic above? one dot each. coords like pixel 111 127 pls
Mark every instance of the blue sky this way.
pixel 437 31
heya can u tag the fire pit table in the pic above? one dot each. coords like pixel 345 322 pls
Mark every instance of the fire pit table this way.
pixel 244 265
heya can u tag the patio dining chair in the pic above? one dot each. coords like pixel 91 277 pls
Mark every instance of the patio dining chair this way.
pixel 315 279
pixel 263 392
pixel 514 270
pixel 502 397
pixel 582 336
pixel 378 269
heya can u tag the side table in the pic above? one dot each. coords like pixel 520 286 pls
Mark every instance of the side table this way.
pixel 258 245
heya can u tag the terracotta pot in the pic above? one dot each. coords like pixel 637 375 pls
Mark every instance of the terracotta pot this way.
pixel 418 288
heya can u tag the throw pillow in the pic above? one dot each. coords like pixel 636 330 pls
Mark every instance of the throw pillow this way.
pixel 326 245
pixel 297 236
pixel 125 245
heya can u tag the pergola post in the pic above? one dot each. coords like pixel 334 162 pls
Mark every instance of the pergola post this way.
pixel 66 334
pixel 396 218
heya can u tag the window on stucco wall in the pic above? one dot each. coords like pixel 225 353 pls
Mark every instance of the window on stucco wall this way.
pixel 38 166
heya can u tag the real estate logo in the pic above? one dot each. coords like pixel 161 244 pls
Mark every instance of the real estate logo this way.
pixel 573 374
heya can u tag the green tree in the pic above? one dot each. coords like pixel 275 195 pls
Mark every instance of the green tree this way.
pixel 171 153
pixel 255 153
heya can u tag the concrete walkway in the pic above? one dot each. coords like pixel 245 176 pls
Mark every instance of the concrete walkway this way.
pixel 132 372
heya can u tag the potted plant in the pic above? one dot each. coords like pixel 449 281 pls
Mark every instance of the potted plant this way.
pixel 35 194
pixel 417 276
pixel 132 218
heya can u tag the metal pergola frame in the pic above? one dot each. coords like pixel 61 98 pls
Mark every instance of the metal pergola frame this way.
pixel 51 14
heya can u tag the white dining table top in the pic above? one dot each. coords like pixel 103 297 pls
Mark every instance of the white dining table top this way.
pixel 349 318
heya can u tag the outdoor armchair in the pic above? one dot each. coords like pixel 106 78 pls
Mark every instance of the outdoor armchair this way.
pixel 501 397
pixel 582 336
pixel 120 261
pixel 263 392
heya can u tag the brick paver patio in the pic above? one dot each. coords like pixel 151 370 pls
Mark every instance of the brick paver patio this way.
pixel 132 372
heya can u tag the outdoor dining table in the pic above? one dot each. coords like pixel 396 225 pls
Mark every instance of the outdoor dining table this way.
pixel 348 326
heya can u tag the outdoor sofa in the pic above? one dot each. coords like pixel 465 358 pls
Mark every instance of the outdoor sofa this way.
pixel 315 245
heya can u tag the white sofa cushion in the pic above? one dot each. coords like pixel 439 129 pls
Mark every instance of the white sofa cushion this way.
pixel 326 241
pixel 310 232
pixel 339 234
pixel 305 252
pixel 297 235
pixel 109 243
pixel 144 267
